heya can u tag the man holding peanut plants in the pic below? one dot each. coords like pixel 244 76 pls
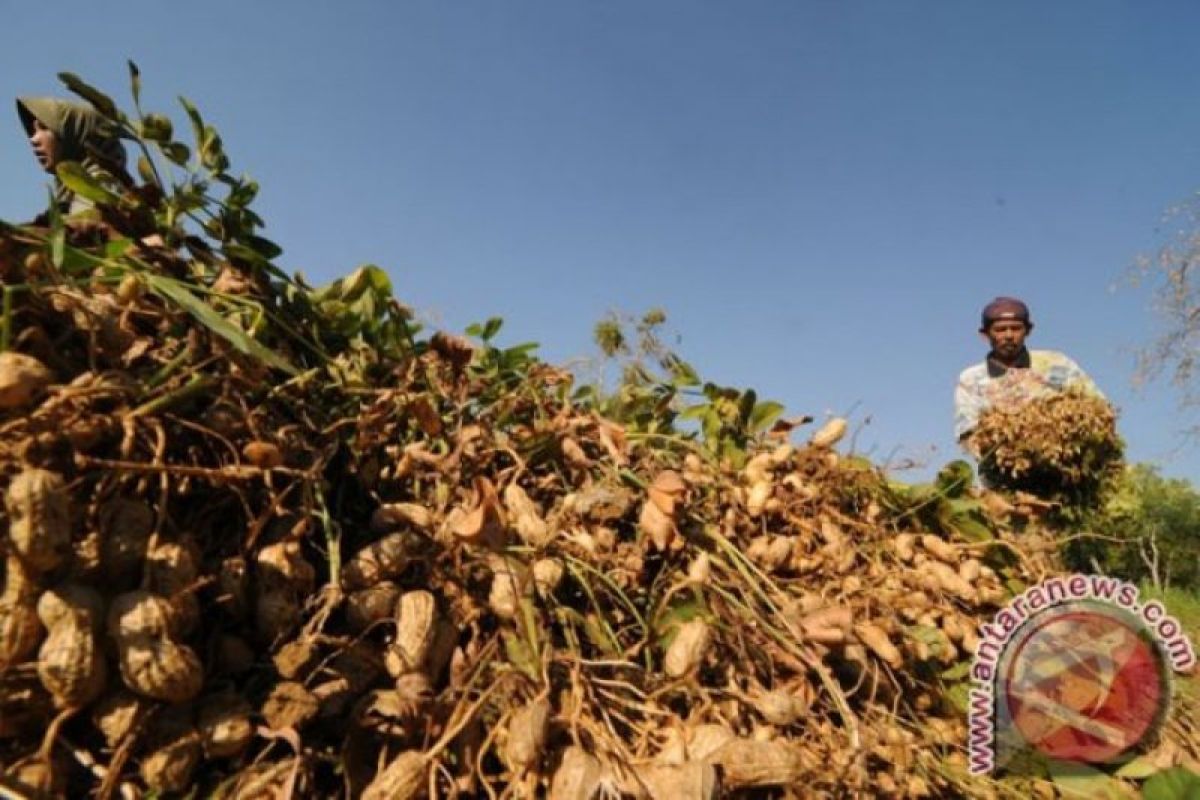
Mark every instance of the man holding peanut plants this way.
pixel 1011 374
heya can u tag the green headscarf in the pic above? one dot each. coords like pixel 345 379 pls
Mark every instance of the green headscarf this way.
pixel 83 135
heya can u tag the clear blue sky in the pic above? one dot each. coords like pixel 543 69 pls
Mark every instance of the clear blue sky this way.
pixel 822 195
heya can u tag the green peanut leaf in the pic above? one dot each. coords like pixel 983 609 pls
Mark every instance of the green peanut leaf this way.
pixel 102 102
pixel 156 128
pixel 82 183
pixel 208 316
pixel 1177 783
pixel 135 82
pixel 763 415
pixel 1084 783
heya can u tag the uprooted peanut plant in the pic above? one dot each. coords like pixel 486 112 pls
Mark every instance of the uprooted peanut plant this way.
pixel 264 539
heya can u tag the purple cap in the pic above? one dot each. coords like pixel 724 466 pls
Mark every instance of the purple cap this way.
pixel 1005 308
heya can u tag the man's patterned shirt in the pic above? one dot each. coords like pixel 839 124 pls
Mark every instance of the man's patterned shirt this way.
pixel 984 386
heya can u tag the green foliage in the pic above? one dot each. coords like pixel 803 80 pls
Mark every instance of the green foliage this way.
pixel 361 306
pixel 206 315
pixel 1083 782
pixel 190 226
pixel 1177 783
pixel 954 479
pixel 646 397
pixel 730 419
pixel 499 370
pixel 945 505
pixel 660 393
pixel 188 188
pixel 1151 526
pixel 82 183
pixel 486 330
pixel 1184 605
pixel 610 338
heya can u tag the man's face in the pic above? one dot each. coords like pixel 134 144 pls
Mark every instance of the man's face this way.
pixel 1006 337
pixel 45 146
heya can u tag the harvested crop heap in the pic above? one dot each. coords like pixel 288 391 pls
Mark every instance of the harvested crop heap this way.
pixel 263 540
pixel 1063 447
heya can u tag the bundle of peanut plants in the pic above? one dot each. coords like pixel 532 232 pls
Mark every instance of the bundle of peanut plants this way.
pixel 1061 447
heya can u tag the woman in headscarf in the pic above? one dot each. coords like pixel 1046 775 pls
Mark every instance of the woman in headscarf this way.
pixel 59 131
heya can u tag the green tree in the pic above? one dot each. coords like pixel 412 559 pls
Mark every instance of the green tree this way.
pixel 1152 530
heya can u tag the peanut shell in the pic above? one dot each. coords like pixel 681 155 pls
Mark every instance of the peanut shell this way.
pixel 416 623
pixel 757 496
pixel 22 379
pixel 547 575
pixel 381 560
pixel 504 596
pixel 877 640
pixel 939 548
pixel 264 455
pixel 289 705
pixel 391 515
pixel 692 780
pixel 224 725
pixel 20 632
pixel 160 669
pixel 780 707
pixel 658 526
pixel 39 518
pixel 296 658
pixel 942 576
pixel 276 613
pixel 142 614
pixel 830 433
pixel 903 545
pixel 169 768
pixel 71 603
pixel 171 568
pixel 578 776
pixel 527 731
pixel 371 605
pixel 35 777
pixel 116 714
pixel 749 764
pixel 283 566
pixel 687 649
pixel 526 518
pixel 71 666
pixel 704 740
pixel 20 582
pixel 402 779
pixel 970 570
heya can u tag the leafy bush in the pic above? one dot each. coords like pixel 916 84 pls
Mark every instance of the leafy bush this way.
pixel 660 394
pixel 1151 529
